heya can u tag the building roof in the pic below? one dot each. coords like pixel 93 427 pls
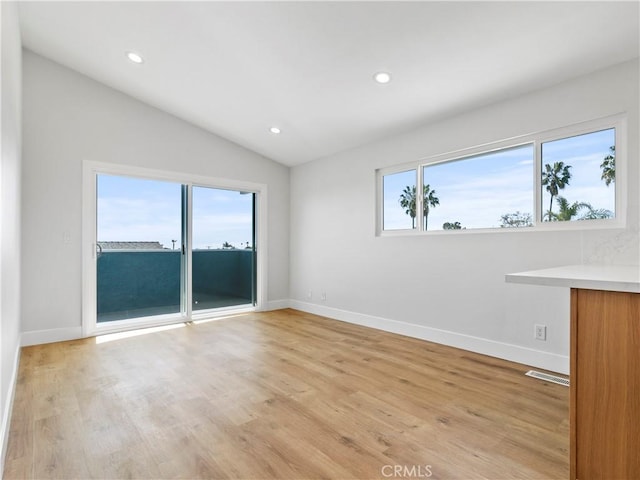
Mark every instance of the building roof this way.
pixel 131 246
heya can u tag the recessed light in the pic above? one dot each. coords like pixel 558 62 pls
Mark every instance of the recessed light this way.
pixel 382 77
pixel 135 57
pixel 275 130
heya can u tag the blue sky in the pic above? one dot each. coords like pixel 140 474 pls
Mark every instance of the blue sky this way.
pixel 474 192
pixel 221 216
pixel 132 209
pixel 477 191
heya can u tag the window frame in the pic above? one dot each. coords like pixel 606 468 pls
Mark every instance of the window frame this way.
pixel 380 219
pixel 617 122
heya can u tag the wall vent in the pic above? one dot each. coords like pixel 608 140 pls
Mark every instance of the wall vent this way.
pixel 548 378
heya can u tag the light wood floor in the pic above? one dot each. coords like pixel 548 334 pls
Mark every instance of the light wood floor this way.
pixel 281 395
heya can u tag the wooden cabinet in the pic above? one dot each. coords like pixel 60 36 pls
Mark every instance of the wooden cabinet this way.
pixel 605 385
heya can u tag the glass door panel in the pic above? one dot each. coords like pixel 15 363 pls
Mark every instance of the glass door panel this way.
pixel 223 248
pixel 139 248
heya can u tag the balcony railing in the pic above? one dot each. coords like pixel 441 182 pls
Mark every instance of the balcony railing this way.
pixel 139 283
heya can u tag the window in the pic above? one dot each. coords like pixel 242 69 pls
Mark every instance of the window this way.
pixel 550 180
pixel 578 177
pixel 480 191
pixel 399 193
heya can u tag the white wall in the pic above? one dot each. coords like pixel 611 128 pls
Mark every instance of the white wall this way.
pixel 450 287
pixel 10 167
pixel 69 118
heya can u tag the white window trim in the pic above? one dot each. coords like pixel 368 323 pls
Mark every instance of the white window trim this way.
pixel 380 200
pixel 90 171
pixel 618 121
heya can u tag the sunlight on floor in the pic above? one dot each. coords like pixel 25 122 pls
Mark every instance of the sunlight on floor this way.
pixel 215 319
pixel 110 337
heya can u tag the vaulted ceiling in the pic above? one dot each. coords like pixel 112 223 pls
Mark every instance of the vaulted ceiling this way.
pixel 239 68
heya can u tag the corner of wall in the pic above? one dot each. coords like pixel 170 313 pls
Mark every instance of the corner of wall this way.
pixel 5 427
pixel 10 213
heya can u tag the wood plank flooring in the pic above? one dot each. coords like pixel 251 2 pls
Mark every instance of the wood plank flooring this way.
pixel 281 395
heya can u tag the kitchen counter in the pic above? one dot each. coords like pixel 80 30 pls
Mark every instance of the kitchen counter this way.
pixel 604 411
pixel 614 278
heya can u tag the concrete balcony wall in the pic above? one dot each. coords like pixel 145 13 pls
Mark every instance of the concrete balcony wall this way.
pixel 223 272
pixel 138 280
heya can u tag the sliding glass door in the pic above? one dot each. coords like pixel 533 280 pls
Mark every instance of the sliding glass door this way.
pixel 166 249
pixel 139 261
pixel 223 248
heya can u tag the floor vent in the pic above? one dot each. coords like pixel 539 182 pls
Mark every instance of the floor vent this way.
pixel 548 378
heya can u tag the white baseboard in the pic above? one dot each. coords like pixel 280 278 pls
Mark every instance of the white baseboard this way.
pixel 506 351
pixel 515 353
pixel 8 408
pixel 276 305
pixel 38 337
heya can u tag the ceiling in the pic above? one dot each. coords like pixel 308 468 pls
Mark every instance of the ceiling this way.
pixel 238 68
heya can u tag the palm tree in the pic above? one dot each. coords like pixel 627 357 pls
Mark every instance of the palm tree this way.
pixel 429 200
pixel 567 211
pixel 555 179
pixel 597 213
pixel 408 202
pixel 608 167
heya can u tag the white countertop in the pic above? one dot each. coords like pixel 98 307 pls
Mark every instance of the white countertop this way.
pixel 618 278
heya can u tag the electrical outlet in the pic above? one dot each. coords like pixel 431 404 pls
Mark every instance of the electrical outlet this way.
pixel 323 296
pixel 541 332
pixel 310 295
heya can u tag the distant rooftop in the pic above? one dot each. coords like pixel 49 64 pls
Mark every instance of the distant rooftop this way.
pixel 131 246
